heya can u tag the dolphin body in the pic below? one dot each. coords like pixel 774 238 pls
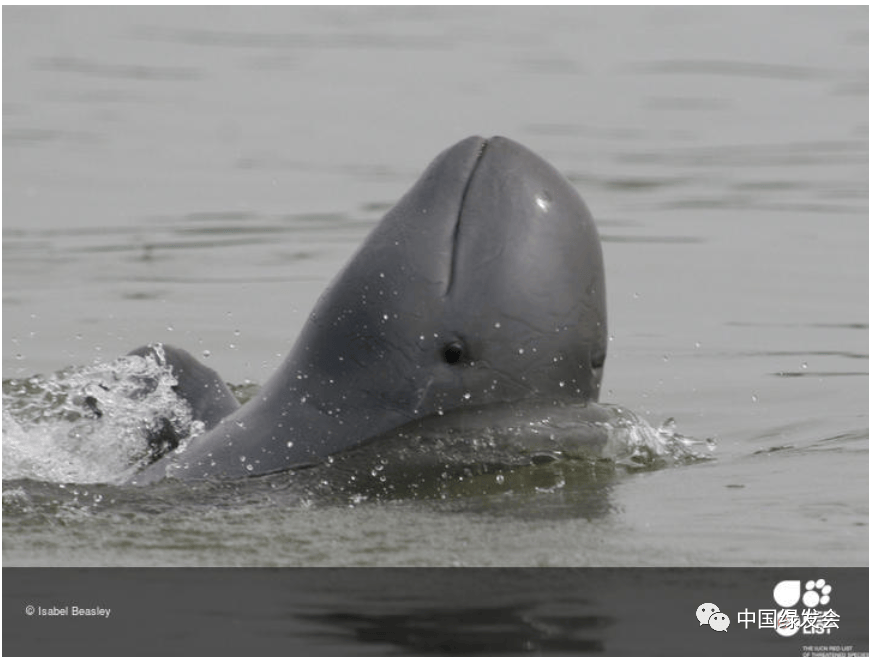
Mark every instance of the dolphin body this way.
pixel 483 286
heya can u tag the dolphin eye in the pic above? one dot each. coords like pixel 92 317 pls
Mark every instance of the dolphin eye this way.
pixel 453 352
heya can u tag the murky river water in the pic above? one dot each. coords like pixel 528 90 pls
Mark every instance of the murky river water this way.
pixel 196 176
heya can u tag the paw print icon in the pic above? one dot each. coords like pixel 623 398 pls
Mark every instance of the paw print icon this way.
pixel 789 592
pixel 817 593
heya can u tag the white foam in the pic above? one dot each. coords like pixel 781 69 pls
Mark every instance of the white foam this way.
pixel 89 424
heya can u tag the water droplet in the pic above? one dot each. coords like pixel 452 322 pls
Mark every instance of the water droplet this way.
pixel 206 353
pixel 636 295
pixel 521 351
pixel 249 467
pixel 696 345
pixel 497 324
pixel 499 478
pixel 289 443
pixel 467 395
pixel 804 365
pixel 754 398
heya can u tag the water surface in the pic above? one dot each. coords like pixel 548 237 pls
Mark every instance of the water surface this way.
pixel 197 175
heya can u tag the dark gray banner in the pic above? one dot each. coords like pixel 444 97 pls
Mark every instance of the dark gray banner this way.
pixel 812 612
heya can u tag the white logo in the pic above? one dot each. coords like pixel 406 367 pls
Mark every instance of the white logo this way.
pixel 788 593
pixel 814 618
pixel 709 614
pixel 719 622
pixel 817 592
pixel 705 610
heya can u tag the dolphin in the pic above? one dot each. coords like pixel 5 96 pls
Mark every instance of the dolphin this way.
pixel 483 286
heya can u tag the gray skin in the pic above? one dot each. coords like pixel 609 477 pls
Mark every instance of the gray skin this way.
pixel 483 285
pixel 209 398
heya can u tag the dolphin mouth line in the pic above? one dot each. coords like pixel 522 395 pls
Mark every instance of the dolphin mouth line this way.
pixel 457 227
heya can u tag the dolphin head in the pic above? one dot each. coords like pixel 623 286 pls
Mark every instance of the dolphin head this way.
pixel 483 285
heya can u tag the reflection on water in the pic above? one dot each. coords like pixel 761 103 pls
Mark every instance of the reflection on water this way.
pixel 487 630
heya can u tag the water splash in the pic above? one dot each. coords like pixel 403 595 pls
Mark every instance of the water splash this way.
pixel 97 424
pixel 604 433
pixel 92 424
pixel 634 444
